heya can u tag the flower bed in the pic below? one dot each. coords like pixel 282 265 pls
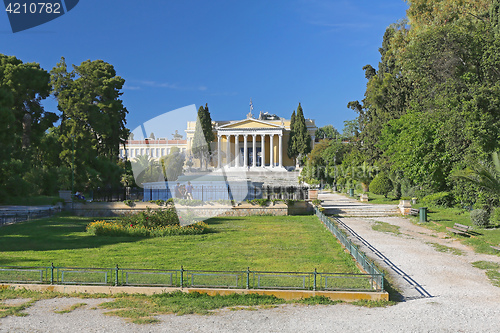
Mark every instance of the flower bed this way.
pixel 150 223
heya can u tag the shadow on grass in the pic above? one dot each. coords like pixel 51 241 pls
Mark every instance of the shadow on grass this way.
pixel 54 233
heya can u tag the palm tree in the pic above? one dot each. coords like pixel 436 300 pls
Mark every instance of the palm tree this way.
pixel 485 175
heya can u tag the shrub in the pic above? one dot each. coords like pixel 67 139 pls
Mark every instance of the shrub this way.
pixel 260 202
pixel 150 218
pixel 316 202
pixel 479 217
pixel 381 184
pixel 495 216
pixel 444 199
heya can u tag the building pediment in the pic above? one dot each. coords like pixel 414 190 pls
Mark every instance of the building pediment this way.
pixel 250 123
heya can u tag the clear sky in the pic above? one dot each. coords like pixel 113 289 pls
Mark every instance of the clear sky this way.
pixel 178 53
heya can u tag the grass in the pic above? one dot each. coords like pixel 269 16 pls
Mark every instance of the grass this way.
pixel 439 218
pixel 491 271
pixel 142 309
pixel 281 243
pixel 71 308
pixel 486 265
pixel 446 249
pixel 386 227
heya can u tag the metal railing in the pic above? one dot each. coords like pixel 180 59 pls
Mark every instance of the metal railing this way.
pixel 367 265
pixel 9 217
pixel 184 278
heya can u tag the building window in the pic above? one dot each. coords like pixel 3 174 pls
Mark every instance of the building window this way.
pixel 163 152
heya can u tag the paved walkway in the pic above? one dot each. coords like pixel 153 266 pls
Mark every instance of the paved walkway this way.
pixel 338 204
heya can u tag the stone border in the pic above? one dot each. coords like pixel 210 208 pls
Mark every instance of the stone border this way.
pixel 347 296
pixel 111 209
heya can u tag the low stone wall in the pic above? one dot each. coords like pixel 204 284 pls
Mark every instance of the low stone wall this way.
pixel 110 209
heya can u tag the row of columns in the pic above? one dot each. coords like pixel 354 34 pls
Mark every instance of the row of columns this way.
pixel 254 149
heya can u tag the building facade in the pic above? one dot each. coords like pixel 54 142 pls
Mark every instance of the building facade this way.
pixel 251 143
pixel 248 143
pixel 151 147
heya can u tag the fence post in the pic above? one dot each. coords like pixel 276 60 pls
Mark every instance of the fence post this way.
pixel 116 275
pixel 201 192
pixel 182 277
pixel 248 277
pixel 315 274
pixel 51 273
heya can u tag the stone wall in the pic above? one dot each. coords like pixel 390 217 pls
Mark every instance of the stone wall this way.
pixel 110 209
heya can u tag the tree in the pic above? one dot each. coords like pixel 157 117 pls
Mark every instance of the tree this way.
pixel 93 120
pixel 203 136
pixel 326 132
pixel 484 175
pixel 300 138
pixel 381 184
pixel 172 164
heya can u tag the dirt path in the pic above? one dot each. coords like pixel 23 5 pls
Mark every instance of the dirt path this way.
pixel 442 292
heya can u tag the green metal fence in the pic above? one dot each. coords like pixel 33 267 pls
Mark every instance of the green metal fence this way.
pixel 184 278
pixel 367 265
pixel 372 280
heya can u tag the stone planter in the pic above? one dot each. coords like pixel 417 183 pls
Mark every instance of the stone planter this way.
pixel 405 206
pixel 65 195
pixel 313 194
pixel 363 197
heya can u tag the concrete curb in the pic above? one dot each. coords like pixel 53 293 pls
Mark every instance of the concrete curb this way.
pixel 347 296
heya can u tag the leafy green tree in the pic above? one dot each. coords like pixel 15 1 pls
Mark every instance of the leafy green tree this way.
pixel 172 164
pixel 326 132
pixel 203 136
pixel 93 120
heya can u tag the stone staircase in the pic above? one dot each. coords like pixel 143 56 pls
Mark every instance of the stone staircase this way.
pixel 336 204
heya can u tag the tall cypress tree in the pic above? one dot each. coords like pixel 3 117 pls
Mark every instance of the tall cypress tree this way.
pixel 203 135
pixel 302 139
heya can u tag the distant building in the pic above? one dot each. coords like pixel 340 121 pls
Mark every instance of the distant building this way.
pixel 154 148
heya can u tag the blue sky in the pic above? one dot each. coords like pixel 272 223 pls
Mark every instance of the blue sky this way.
pixel 177 53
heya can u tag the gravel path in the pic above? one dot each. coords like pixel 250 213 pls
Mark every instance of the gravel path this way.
pixel 441 292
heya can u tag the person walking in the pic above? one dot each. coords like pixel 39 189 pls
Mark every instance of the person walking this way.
pixel 189 191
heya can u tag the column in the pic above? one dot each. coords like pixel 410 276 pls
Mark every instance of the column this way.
pixel 271 151
pixel 263 150
pixel 228 151
pixel 254 150
pixel 236 151
pixel 219 153
pixel 280 156
pixel 245 151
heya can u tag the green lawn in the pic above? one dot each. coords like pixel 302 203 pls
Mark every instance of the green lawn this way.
pixel 439 218
pixel 283 243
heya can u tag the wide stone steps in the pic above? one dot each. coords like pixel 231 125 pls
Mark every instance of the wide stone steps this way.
pixel 335 204
pixel 363 212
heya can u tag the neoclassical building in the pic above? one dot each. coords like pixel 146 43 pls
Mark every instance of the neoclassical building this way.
pixel 251 143
pixel 254 143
